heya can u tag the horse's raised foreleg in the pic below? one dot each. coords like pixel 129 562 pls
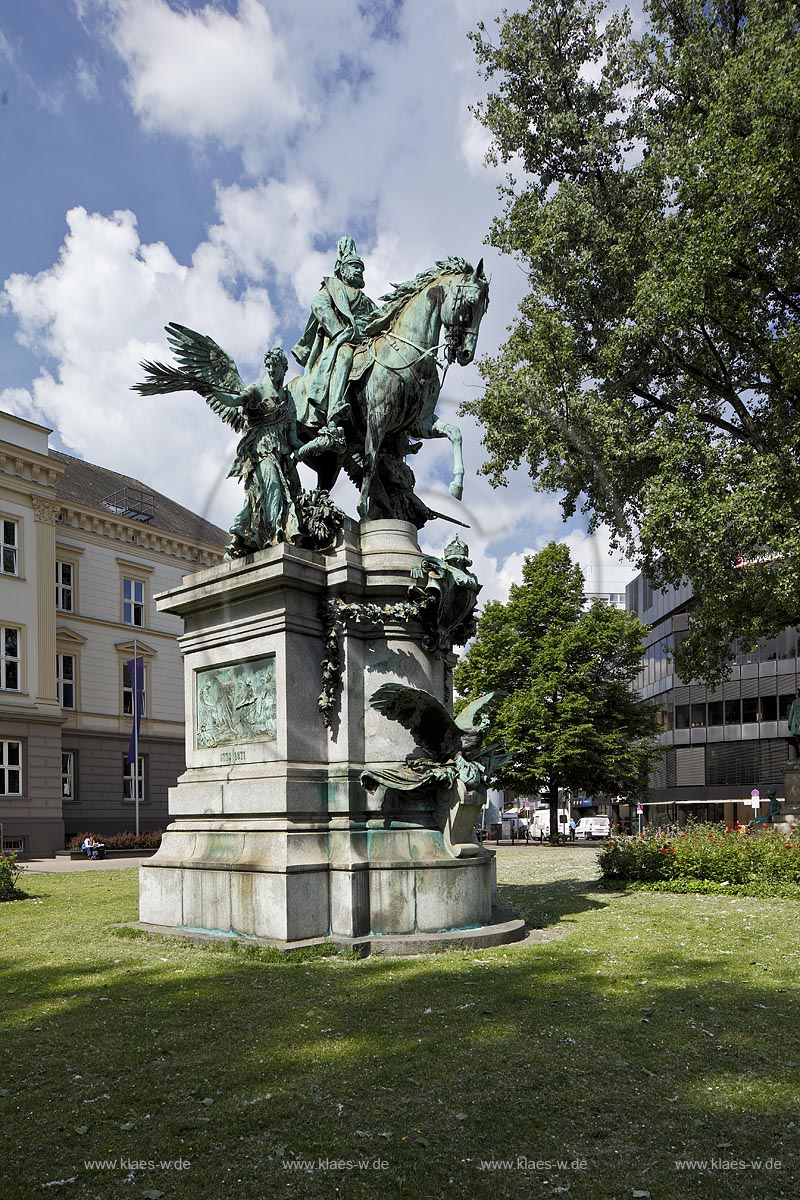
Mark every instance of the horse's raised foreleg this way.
pixel 372 444
pixel 441 428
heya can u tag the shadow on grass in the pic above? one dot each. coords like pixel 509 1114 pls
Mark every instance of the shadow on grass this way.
pixel 546 904
pixel 240 946
pixel 157 1052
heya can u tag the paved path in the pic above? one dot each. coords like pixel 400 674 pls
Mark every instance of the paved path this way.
pixel 40 866
pixel 535 844
pixel 45 866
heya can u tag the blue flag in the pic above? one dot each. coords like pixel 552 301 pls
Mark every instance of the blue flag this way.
pixel 136 676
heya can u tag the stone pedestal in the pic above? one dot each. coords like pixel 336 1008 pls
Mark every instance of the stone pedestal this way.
pixel 274 838
pixel 789 817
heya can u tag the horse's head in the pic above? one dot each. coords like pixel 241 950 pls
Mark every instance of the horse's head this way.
pixel 466 300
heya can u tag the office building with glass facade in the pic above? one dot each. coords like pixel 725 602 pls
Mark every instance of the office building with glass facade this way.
pixel 720 743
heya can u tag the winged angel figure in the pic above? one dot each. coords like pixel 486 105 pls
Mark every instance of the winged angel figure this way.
pixel 276 508
pixel 458 768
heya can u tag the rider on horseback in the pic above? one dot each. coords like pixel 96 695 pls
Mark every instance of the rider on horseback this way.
pixel 339 313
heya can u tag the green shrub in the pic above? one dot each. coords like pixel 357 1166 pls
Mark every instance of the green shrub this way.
pixel 714 854
pixel 10 871
pixel 149 840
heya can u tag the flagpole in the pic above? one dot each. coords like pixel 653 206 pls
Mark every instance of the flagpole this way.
pixel 136 710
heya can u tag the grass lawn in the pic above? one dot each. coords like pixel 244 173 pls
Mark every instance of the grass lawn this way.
pixel 644 1029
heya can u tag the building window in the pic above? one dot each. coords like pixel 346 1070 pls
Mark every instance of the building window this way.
pixel 733 712
pixel 9 658
pixel 784 704
pixel 65 679
pixel 749 710
pixel 698 716
pixel 681 716
pixel 10 768
pixel 9 548
pixel 133 602
pixel 128 780
pixel 68 774
pixel 64 586
pixel 769 708
pixel 127 691
pixel 745 764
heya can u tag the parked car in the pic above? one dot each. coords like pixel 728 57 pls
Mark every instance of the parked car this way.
pixel 593 827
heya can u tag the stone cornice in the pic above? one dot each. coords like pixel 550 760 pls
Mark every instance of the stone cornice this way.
pixel 104 526
pixel 20 468
pixel 88 620
pixel 18 463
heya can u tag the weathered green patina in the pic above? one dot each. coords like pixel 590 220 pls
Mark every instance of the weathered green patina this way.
pixel 276 508
pixel 448 596
pixel 368 392
pixel 340 313
pixel 371 384
pixel 458 767
pixel 236 704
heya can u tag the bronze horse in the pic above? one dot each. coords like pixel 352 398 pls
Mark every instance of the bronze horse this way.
pixel 394 389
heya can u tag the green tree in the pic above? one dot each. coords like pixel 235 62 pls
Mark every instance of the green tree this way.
pixel 653 372
pixel 570 717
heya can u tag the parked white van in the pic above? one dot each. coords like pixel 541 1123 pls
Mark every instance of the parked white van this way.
pixel 593 827
pixel 540 823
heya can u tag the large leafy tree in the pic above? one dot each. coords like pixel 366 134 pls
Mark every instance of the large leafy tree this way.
pixel 570 717
pixel 653 372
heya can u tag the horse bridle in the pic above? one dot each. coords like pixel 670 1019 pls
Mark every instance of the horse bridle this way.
pixel 456 327
pixel 449 345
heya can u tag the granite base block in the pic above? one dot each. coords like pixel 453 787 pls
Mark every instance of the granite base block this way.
pixel 274 838
pixel 502 929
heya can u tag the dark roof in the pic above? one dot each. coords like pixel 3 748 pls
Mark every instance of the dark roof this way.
pixel 84 483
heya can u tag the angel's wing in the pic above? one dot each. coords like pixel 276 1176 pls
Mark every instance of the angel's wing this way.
pixel 467 719
pixel 422 715
pixel 204 367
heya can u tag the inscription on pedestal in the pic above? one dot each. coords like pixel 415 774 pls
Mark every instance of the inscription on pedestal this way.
pixel 235 704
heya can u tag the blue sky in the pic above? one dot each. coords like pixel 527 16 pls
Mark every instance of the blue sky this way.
pixel 197 162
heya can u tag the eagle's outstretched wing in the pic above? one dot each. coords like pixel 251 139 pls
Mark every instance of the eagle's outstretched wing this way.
pixel 467 719
pixel 425 717
pixel 204 368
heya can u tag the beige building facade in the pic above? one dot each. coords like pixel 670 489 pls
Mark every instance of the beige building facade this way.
pixel 84 551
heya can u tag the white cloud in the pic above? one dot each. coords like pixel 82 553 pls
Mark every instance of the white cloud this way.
pixel 86 79
pixel 340 131
pixel 272 227
pixel 95 314
pixel 603 569
pixel 205 74
pixel 475 143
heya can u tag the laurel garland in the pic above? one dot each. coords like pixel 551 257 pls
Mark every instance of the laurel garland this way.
pixel 335 616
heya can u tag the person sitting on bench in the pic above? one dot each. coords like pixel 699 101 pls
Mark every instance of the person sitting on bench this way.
pixel 90 847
